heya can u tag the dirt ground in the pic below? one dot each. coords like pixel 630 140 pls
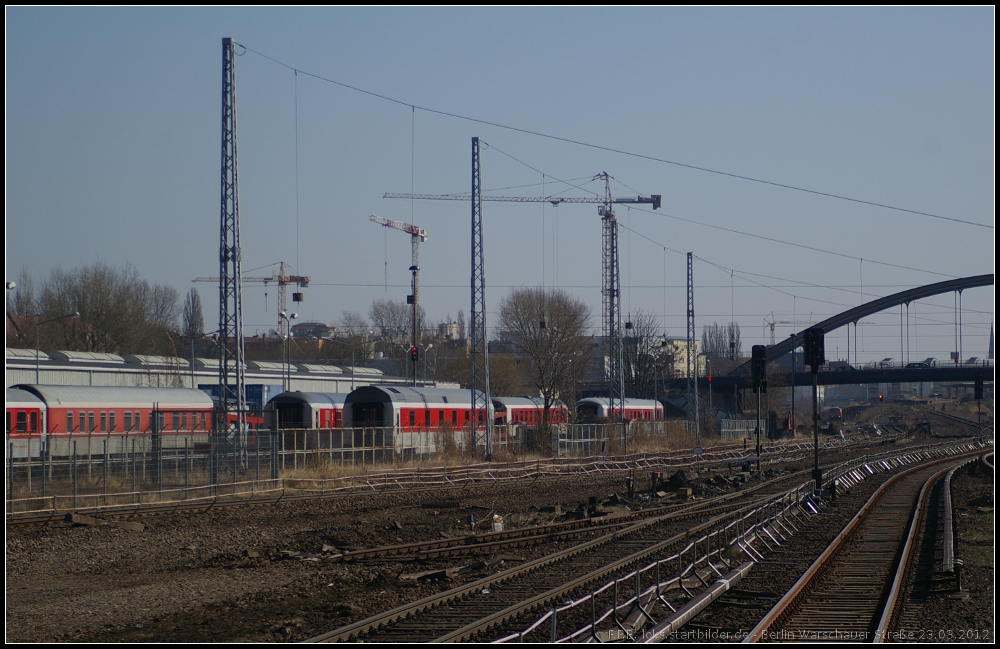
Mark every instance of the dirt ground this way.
pixel 258 572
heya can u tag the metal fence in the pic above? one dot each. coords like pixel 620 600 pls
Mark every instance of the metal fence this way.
pixel 96 463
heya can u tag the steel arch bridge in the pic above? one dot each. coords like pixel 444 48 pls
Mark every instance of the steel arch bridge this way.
pixel 875 306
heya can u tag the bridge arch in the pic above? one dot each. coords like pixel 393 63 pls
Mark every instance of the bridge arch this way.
pixel 875 306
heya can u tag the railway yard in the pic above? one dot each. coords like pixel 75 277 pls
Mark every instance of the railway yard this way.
pixel 325 568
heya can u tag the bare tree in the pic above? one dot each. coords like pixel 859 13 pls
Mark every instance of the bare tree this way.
pixel 461 324
pixel 120 313
pixel 24 301
pixel 642 352
pixel 507 376
pixel 392 319
pixel 353 324
pixel 194 319
pixel 554 350
pixel 722 346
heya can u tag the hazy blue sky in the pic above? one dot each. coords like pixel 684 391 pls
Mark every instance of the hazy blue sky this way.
pixel 113 153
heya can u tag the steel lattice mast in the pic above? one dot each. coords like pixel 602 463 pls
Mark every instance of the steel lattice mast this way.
pixel 479 357
pixel 232 392
pixel 611 304
pixel 692 356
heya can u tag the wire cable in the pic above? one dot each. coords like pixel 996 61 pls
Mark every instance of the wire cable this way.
pixel 618 151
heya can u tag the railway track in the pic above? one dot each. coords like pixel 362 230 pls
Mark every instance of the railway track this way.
pixel 460 614
pixel 850 592
pixel 483 606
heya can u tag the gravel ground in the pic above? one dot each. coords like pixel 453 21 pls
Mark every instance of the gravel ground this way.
pixel 219 576
pixel 187 577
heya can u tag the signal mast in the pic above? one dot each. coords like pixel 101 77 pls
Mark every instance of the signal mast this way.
pixel 417 234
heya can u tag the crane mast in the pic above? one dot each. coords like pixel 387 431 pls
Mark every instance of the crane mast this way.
pixel 417 234
pixel 283 280
pixel 610 283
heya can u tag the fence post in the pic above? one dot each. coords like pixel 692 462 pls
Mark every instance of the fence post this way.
pixel 10 474
pixel 43 451
pixel 133 470
pixel 74 475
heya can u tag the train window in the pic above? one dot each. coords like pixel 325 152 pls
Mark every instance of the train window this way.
pixel 34 422
pixel 22 422
pixel 69 422
pixel 104 422
pixel 127 421
pixel 111 421
pixel 9 414
pixel 427 417
pixel 454 417
pixel 176 420
pixel 413 417
pixel 90 422
pixel 440 417
pixel 82 425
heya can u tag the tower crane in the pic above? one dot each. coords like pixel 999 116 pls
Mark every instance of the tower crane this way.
pixel 610 286
pixel 417 234
pixel 282 280
pixel 770 323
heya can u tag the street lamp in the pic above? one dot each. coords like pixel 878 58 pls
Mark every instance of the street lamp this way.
pixel 75 314
pixel 286 381
pixel 427 349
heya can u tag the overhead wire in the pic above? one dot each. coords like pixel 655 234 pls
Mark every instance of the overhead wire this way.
pixel 618 151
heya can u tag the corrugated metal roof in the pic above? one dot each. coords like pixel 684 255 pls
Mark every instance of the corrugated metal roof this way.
pixel 26 353
pixel 86 357
pixel 21 398
pixel 370 371
pixel 319 369
pixel 263 365
pixel 84 396
pixel 142 359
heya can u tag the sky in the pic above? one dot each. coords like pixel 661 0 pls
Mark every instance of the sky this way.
pixel 113 154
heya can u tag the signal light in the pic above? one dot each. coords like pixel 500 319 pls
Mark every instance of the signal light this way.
pixel 880 398
pixel 413 354
pixel 813 343
pixel 758 365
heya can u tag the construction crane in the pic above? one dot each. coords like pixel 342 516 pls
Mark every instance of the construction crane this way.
pixel 610 287
pixel 282 280
pixel 417 234
pixel 770 323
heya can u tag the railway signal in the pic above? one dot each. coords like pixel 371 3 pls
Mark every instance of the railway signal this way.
pixel 417 234
pixel 813 342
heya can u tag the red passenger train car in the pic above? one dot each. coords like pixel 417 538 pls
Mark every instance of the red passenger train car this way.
pixel 527 411
pixel 61 415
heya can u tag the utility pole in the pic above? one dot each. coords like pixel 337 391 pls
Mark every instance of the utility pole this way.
pixel 692 357
pixel 232 362
pixel 417 234
pixel 479 353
